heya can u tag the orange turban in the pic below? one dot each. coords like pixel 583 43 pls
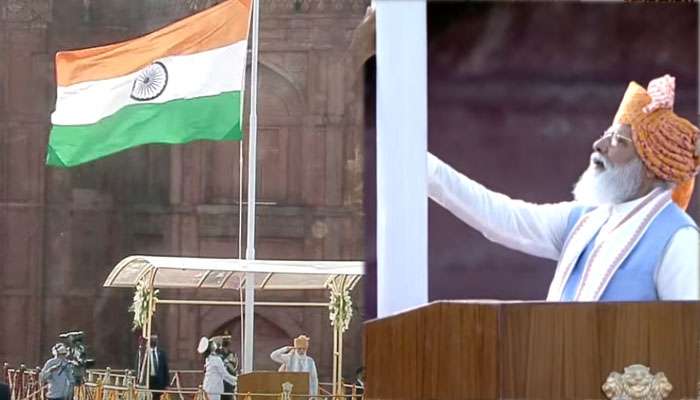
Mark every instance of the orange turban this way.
pixel 301 342
pixel 667 144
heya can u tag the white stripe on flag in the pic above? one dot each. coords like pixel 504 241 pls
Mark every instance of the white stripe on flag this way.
pixel 207 73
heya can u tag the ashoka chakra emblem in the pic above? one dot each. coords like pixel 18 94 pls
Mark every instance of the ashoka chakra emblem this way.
pixel 150 82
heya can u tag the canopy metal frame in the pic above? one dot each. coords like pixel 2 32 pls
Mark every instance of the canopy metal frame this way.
pixel 275 275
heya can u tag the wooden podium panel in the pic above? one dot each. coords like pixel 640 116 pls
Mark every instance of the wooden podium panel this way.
pixel 271 382
pixel 470 350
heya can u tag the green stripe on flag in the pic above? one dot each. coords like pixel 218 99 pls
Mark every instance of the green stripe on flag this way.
pixel 178 121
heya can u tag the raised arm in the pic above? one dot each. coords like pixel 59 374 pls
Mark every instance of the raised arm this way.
pixel 220 368
pixel 535 229
pixel 281 355
pixel 46 372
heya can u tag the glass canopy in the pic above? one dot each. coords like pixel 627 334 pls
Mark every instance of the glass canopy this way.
pixel 225 273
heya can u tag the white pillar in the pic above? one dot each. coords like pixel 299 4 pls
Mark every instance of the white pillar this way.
pixel 402 203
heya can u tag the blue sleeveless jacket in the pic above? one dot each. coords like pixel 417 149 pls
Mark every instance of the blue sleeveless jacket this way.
pixel 635 279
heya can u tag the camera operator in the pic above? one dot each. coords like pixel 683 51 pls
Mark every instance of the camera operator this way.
pixel 77 355
pixel 57 374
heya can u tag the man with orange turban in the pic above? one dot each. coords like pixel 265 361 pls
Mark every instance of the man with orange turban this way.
pixel 626 237
pixel 295 359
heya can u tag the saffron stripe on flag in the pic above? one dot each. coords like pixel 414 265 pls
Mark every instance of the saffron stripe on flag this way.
pixel 215 27
pixel 202 74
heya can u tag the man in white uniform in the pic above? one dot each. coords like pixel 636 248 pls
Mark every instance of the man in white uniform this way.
pixel 215 373
pixel 295 359
pixel 626 237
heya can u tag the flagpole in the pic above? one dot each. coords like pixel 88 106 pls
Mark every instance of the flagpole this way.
pixel 250 238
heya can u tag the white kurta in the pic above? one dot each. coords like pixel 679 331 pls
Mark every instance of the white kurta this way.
pixel 215 374
pixel 540 229
pixel 294 362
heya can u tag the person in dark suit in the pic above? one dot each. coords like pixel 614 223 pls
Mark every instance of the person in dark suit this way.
pixel 159 373
pixel 4 391
pixel 230 360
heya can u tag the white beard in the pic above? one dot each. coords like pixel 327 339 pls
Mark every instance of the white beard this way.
pixel 613 185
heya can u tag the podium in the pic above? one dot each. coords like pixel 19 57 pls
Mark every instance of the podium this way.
pixel 529 350
pixel 269 382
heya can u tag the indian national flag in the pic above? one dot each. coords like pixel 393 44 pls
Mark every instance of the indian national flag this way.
pixel 179 84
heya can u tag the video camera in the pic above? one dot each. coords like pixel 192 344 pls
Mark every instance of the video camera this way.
pixel 77 354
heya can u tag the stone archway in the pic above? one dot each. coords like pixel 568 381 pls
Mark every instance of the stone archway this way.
pixel 274 328
pixel 270 334
pixel 281 110
pixel 362 47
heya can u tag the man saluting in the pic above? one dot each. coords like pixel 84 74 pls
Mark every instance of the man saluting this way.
pixel 295 359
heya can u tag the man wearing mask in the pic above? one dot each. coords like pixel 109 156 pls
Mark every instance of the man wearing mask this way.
pixel 230 362
pixel 158 367
pixel 215 372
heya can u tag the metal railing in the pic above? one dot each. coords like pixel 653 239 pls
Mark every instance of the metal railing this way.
pixel 24 382
pixel 99 391
pixel 120 384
